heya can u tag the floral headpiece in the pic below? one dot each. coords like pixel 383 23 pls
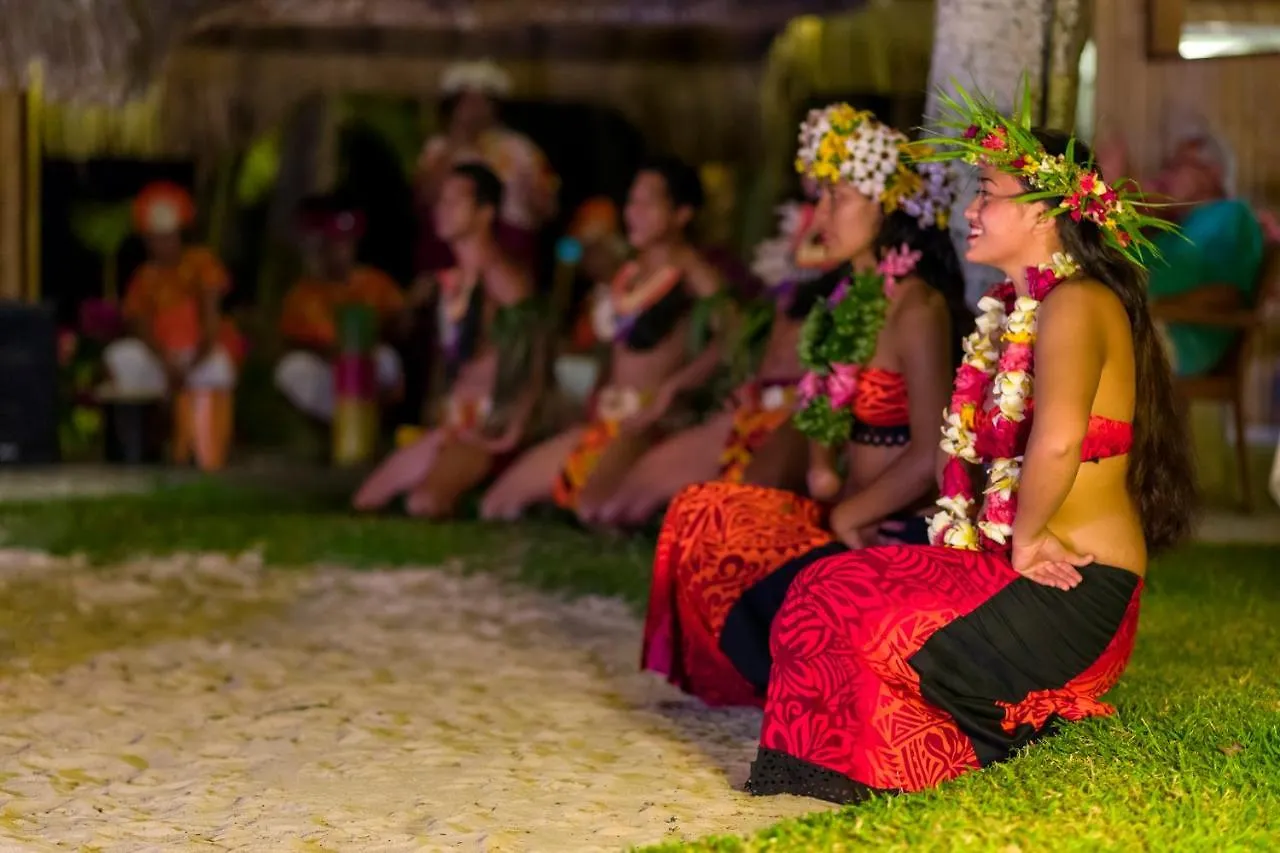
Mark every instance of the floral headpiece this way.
pixel 841 144
pixel 163 208
pixel 482 76
pixel 1007 143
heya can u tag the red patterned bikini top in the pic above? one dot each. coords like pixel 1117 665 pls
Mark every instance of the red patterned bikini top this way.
pixel 1103 438
pixel 881 400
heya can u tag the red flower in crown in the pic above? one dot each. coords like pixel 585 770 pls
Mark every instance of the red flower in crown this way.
pixel 1088 181
pixel 971 132
pixel 994 142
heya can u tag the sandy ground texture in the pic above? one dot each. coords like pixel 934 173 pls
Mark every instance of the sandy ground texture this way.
pixel 201 703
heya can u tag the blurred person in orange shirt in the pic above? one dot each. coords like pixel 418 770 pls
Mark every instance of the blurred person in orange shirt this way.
pixel 308 320
pixel 181 345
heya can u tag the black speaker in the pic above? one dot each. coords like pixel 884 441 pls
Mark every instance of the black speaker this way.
pixel 28 384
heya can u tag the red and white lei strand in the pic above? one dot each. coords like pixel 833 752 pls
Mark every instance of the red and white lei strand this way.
pixel 1009 373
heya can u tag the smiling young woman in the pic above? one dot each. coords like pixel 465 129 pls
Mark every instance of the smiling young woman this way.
pixel 898 668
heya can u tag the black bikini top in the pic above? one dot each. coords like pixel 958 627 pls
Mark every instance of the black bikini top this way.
pixel 645 326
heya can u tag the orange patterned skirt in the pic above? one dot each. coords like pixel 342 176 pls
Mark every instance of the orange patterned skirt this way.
pixel 763 408
pixel 582 462
pixel 718 540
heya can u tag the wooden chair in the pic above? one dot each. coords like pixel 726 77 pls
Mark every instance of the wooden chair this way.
pixel 1226 383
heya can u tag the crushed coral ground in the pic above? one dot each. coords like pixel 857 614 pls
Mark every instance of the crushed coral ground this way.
pixel 202 703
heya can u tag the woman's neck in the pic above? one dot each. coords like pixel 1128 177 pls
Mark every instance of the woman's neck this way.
pixel 863 261
pixel 659 254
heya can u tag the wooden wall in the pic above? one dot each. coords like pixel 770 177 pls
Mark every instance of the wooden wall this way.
pixel 1136 97
pixel 12 230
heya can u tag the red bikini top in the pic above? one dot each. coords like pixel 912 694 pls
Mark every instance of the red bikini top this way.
pixel 881 400
pixel 1103 438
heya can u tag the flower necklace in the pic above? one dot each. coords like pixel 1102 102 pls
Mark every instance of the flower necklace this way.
pixel 838 339
pixel 1007 376
pixel 629 295
pixel 455 304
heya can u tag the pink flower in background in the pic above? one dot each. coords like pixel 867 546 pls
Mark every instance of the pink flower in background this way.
pixel 842 387
pixel 895 264
pixel 810 386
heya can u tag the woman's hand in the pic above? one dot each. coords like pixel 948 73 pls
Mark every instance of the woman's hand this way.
pixel 845 526
pixel 651 413
pixel 823 482
pixel 1044 559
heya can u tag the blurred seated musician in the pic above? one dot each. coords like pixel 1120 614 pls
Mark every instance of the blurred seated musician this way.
pixel 494 354
pixel 657 317
pixel 181 345
pixel 308 319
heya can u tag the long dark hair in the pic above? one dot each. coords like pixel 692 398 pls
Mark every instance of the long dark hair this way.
pixel 1161 478
pixel 939 267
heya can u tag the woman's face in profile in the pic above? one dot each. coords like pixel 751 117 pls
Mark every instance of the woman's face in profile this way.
pixel 848 220
pixel 999 226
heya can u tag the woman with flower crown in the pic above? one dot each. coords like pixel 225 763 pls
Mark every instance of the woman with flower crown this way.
pixel 898 668
pixel 879 342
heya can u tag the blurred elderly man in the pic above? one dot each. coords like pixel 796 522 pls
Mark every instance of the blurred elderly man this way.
pixel 471 98
pixel 1215 268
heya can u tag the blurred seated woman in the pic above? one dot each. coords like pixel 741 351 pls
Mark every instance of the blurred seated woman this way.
pixel 494 357
pixel 649 317
pixel 752 439
pixel 880 350
pixel 895 669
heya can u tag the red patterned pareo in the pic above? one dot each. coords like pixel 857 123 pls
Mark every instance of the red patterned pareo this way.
pixel 842 694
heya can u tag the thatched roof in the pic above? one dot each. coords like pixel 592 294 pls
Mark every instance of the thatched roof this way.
pixel 108 50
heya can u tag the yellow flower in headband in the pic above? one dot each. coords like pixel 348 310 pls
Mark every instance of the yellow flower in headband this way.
pixel 1008 143
pixel 839 144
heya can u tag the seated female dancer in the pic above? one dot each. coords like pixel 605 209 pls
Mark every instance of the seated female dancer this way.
pixel 648 317
pixel 901 667
pixel 494 359
pixel 885 356
pixel 752 439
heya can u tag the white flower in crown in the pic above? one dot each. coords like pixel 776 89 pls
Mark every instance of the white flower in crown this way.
pixel 1011 394
pixel 1004 477
pixel 961 535
pixel 1000 533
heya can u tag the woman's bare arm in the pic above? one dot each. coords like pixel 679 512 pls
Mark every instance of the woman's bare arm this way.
pixel 1069 353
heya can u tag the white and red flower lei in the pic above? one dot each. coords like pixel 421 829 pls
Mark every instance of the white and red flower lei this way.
pixel 1007 376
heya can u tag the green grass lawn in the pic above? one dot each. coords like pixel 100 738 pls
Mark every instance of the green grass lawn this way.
pixel 1191 763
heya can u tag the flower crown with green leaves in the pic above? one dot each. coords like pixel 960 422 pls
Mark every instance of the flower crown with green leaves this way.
pixel 841 144
pixel 989 138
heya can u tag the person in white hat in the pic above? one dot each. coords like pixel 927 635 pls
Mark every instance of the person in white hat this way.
pixel 471 94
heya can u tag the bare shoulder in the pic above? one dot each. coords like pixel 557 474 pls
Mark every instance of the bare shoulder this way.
pixel 1081 298
pixel 511 282
pixel 915 302
pixel 701 276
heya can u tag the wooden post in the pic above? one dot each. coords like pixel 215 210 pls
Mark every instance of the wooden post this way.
pixel 33 162
pixel 12 196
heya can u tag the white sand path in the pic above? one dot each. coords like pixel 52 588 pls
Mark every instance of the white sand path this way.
pixel 354 711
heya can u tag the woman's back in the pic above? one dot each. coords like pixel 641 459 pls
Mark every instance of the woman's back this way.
pixel 1098 516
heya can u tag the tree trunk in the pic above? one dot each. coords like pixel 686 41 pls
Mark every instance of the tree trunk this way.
pixel 987 46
